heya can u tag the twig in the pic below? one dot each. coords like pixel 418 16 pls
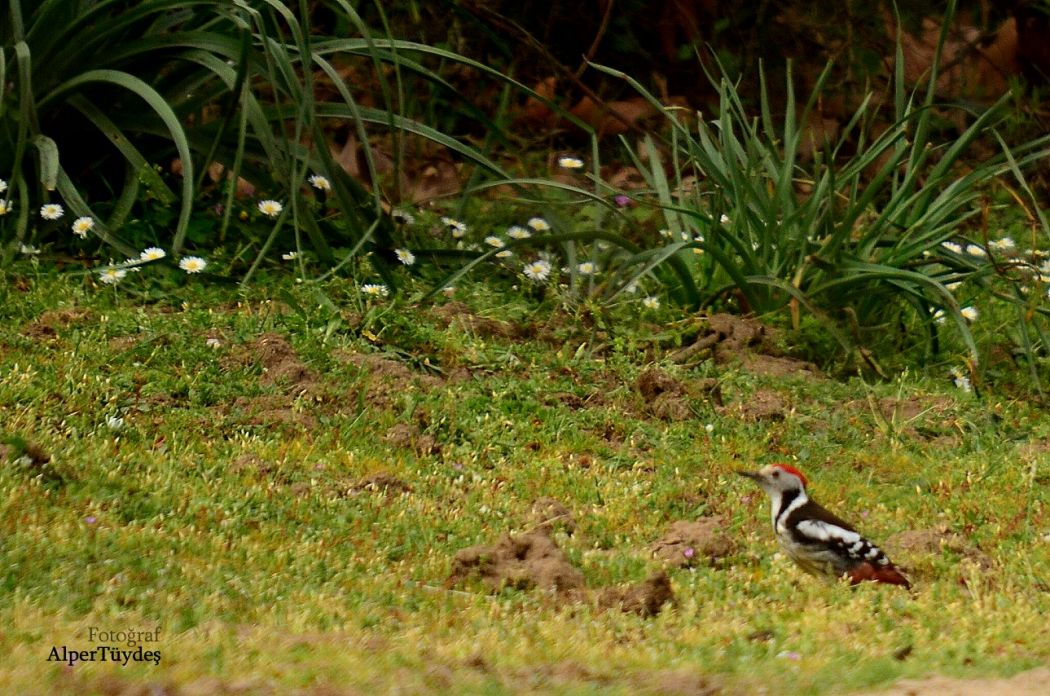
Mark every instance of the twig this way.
pixel 589 56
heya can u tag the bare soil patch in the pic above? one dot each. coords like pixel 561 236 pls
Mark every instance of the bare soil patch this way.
pixel 668 398
pixel 382 481
pixel 924 418
pixel 408 436
pixel 280 363
pixel 461 316
pixel 270 409
pixel 646 598
pixel 915 547
pixel 522 561
pixel 48 324
pixel 687 543
pixel 384 380
pixel 556 677
pixel 549 515
pixel 729 339
pixel 763 405
pixel 1034 682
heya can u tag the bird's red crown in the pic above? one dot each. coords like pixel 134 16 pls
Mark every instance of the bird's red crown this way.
pixel 792 470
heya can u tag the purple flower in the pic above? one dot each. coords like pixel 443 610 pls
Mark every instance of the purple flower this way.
pixel 790 655
pixel 688 552
pixel 622 200
pixel 91 519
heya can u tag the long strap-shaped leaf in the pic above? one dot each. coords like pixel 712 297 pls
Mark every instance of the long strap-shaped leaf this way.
pixel 167 116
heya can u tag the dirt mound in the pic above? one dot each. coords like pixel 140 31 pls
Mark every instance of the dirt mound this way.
pixel 1035 682
pixel 920 417
pixel 384 380
pixel 382 481
pixel 47 325
pixel 646 598
pixel 460 315
pixel 548 515
pixel 914 547
pixel 688 543
pixel 280 363
pixel 269 409
pixel 763 405
pixel 667 398
pixel 408 436
pixel 727 338
pixel 522 561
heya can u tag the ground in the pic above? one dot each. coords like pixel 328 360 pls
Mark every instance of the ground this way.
pixel 489 496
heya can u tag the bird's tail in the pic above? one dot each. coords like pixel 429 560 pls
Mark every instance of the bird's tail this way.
pixel 889 574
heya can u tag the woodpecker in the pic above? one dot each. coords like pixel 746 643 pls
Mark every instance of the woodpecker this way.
pixel 818 541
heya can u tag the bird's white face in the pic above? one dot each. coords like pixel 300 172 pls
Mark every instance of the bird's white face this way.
pixel 776 480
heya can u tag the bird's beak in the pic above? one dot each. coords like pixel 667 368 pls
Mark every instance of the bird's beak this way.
pixel 753 475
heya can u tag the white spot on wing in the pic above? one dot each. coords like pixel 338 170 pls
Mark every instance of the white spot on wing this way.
pixel 823 531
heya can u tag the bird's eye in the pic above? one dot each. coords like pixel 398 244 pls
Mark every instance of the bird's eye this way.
pixel 776 474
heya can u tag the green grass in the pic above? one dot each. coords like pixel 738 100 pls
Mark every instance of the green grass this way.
pixel 227 509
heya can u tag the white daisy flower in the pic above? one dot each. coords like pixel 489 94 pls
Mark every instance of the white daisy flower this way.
pixel 666 234
pixel 976 250
pixel 494 241
pixel 403 216
pixel 213 342
pixel 952 287
pixel 192 264
pixel 518 232
pixel 111 276
pixel 290 255
pixel 587 268
pixel 539 224
pixel 5 207
pixel 651 302
pixel 375 290
pixel 83 225
pixel 321 183
pixel 505 254
pixel 569 162
pixel 3 185
pixel 961 380
pixel 152 254
pixel 51 211
pixel 969 313
pixel 939 316
pixel 724 219
pixel 952 247
pixel 632 288
pixel 538 270
pixel 458 229
pixel 28 249
pixel 114 423
pixel 1005 244
pixel 271 208
pixel 405 256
